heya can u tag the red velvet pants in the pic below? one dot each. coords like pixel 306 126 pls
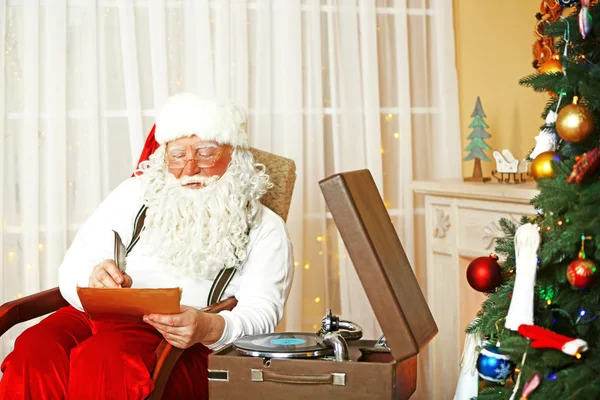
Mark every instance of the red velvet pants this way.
pixel 69 356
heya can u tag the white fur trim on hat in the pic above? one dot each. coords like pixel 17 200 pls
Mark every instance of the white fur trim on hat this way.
pixel 187 114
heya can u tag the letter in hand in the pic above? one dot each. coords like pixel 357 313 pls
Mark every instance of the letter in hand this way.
pixel 107 274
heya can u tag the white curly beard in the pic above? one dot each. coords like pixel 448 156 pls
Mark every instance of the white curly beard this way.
pixel 201 231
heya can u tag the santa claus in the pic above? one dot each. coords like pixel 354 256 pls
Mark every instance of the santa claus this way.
pixel 198 196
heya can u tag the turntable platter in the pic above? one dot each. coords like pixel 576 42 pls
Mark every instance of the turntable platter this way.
pixel 283 345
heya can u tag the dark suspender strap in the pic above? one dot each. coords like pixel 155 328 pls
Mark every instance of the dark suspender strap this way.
pixel 221 281
pixel 219 285
pixel 138 227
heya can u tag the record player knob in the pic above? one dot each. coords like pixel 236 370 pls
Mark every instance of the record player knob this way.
pixel 329 323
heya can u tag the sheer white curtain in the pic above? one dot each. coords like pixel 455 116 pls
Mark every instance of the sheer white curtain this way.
pixel 335 85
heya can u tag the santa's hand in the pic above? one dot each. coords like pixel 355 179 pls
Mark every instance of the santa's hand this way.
pixel 187 328
pixel 107 274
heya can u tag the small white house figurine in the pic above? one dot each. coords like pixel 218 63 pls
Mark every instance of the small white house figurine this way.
pixel 507 165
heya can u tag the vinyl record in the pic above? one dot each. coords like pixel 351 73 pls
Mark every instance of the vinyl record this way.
pixel 283 345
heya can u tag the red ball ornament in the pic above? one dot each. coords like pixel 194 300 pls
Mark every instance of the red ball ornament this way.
pixel 484 273
pixel 580 273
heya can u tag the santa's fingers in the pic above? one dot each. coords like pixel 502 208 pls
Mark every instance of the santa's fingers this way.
pixel 182 332
pixel 102 281
pixel 176 343
pixel 175 339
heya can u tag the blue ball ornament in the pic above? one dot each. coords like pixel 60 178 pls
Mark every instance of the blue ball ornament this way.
pixel 493 366
pixel 567 3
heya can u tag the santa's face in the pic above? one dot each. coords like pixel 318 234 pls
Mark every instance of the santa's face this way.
pixel 192 160
pixel 198 232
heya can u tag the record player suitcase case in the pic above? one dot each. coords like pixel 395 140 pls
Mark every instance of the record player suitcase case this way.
pixel 394 294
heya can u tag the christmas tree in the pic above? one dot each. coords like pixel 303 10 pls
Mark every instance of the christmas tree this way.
pixel 537 336
pixel 477 144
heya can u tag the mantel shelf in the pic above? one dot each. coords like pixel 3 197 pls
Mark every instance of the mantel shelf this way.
pixel 520 193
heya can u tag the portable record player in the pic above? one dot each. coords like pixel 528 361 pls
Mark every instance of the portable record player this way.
pixel 329 343
pixel 333 363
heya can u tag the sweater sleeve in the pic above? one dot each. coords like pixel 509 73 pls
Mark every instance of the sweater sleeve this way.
pixel 94 242
pixel 266 279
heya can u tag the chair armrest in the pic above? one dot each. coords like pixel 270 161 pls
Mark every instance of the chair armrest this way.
pixel 227 304
pixel 29 307
pixel 167 355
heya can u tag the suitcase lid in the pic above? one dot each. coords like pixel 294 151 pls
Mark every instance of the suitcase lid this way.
pixel 380 261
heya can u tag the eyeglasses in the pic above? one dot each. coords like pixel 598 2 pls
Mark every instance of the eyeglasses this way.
pixel 205 157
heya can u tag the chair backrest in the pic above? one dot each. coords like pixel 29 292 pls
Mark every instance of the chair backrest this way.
pixel 282 172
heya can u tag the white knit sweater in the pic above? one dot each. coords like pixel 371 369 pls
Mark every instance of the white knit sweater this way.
pixel 261 286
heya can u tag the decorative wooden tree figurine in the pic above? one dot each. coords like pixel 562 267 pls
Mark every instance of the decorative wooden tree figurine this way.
pixel 477 144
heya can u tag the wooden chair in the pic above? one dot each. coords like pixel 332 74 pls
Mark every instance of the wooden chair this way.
pixel 282 172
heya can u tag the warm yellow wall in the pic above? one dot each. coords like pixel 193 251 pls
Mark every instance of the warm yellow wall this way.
pixel 493 51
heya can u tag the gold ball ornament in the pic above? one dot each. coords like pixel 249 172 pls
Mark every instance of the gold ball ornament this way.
pixel 552 66
pixel 574 122
pixel 541 167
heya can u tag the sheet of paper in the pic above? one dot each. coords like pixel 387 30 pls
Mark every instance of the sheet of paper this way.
pixel 128 304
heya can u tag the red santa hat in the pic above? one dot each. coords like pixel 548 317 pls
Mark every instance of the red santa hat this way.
pixel 149 147
pixel 187 114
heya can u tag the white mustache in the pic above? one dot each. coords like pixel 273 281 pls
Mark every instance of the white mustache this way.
pixel 203 180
